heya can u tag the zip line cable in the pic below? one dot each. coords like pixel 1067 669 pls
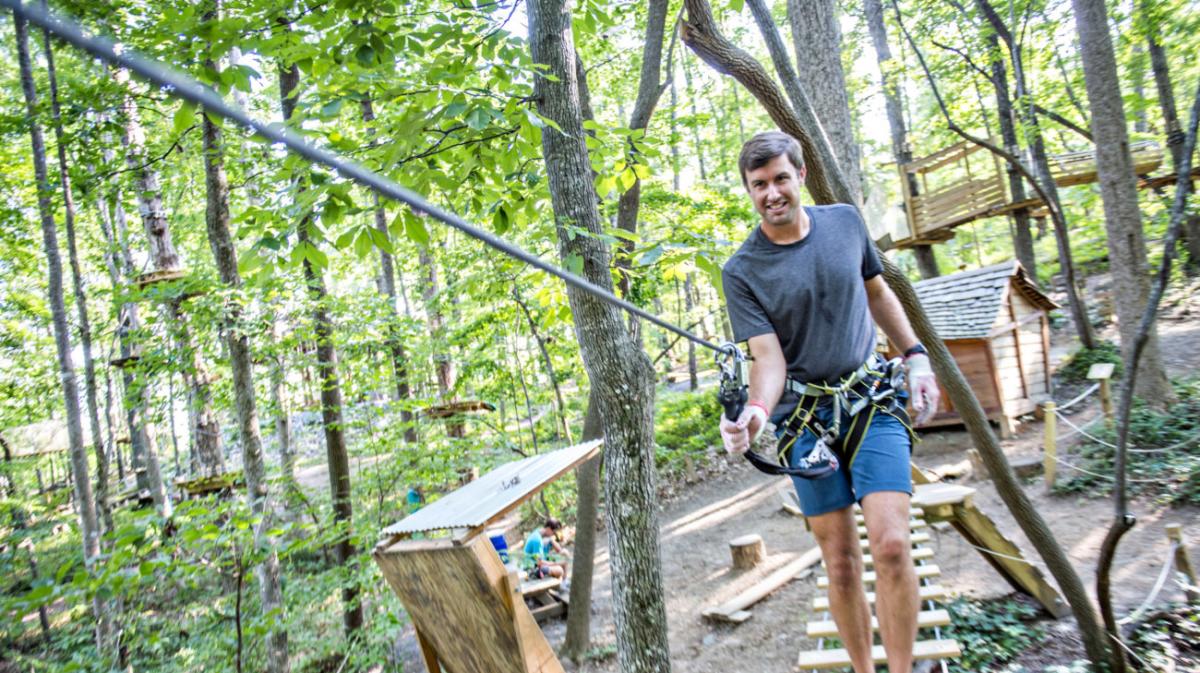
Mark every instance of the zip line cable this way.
pixel 180 85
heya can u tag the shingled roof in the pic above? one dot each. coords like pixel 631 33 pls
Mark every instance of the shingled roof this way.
pixel 965 305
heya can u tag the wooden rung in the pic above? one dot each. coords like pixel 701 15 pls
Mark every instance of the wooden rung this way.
pixel 923 572
pixel 916 514
pixel 933 592
pixel 920 554
pixel 925 619
pixel 917 538
pixel 913 524
pixel 922 649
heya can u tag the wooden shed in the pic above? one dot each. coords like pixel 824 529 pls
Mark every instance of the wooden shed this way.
pixel 995 322
pixel 467 607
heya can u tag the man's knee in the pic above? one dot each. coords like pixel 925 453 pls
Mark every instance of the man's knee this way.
pixel 890 551
pixel 844 567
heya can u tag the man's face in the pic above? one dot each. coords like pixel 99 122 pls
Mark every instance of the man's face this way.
pixel 775 190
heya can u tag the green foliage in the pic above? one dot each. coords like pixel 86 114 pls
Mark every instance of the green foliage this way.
pixel 992 632
pixel 1076 368
pixel 686 425
pixel 1168 639
pixel 1167 476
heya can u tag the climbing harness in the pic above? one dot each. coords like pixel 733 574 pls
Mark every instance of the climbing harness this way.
pixel 871 389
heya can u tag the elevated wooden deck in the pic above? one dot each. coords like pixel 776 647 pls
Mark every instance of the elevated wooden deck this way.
pixel 959 186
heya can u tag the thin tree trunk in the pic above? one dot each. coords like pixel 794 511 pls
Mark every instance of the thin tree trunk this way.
pixel 649 92
pixel 687 83
pixel 331 390
pixel 283 415
pixel 387 274
pixel 1150 15
pixel 217 222
pixel 618 369
pixel 89 525
pixel 587 485
pixel 702 35
pixel 85 329
pixel 1043 180
pixel 1118 189
pixel 688 309
pixel 541 342
pixel 817 40
pixel 206 429
pixel 873 10
pixel 1022 235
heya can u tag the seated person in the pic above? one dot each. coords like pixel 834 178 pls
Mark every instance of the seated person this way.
pixel 538 546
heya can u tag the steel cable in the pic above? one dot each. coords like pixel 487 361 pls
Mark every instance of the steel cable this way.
pixel 180 85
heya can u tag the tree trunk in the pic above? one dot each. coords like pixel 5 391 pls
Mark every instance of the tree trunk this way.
pixel 693 373
pixel 85 328
pixel 687 83
pixel 283 414
pixel 1166 100
pixel 587 484
pixel 649 91
pixel 1118 189
pixel 88 523
pixel 142 434
pixel 206 430
pixel 549 363
pixel 1046 186
pixel 387 276
pixel 216 218
pixel 700 33
pixel 619 371
pixel 817 39
pixel 331 390
pixel 873 10
pixel 1022 236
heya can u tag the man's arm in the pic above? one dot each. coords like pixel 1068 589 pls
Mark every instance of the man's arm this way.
pixel 768 370
pixel 889 314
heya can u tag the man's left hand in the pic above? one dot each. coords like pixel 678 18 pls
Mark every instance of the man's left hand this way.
pixel 923 387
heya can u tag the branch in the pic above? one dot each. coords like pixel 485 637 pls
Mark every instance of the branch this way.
pixel 436 148
pixel 174 146
pixel 1050 114
pixel 965 56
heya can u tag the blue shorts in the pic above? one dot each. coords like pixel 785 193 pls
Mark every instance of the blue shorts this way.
pixel 881 464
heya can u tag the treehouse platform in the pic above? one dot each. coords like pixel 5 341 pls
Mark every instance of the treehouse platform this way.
pixel 963 183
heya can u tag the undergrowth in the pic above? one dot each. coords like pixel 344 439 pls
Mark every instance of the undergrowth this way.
pixel 1168 639
pixel 992 632
pixel 686 429
pixel 1170 477
pixel 1075 369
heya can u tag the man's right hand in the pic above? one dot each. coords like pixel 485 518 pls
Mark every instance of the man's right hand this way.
pixel 738 435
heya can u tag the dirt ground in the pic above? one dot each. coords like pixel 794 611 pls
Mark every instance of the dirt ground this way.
pixel 698 519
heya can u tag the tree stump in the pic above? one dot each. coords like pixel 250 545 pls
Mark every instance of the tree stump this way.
pixel 747 551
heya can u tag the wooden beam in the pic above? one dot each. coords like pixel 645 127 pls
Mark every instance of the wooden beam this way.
pixel 839 658
pixel 733 609
pixel 870 577
pixel 925 619
pixel 932 592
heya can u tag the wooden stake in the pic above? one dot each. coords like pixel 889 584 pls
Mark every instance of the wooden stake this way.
pixel 1183 564
pixel 1106 400
pixel 1050 461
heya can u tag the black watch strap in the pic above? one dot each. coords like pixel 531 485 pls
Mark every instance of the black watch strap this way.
pixel 917 349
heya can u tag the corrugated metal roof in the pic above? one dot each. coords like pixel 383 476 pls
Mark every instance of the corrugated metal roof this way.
pixel 483 500
pixel 965 305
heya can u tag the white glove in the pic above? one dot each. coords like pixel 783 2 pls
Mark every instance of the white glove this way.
pixel 922 387
pixel 737 436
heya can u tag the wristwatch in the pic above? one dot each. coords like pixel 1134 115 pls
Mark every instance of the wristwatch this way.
pixel 918 349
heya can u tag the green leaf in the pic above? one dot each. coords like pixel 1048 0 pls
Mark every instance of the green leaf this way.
pixel 478 119
pixel 365 56
pixel 362 243
pixel 415 229
pixel 628 178
pixel 456 106
pixel 500 221
pixel 332 108
pixel 184 117
pixel 737 5
pixel 381 240
pixel 574 263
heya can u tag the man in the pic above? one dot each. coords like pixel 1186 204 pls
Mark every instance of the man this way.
pixel 538 546
pixel 802 290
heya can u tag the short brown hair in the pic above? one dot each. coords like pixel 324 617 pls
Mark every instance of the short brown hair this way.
pixel 764 147
pixel 552 524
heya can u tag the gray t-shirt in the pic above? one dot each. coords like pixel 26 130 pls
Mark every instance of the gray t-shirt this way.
pixel 809 293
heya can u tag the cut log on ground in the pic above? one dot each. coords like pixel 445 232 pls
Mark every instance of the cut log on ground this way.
pixel 735 609
pixel 747 551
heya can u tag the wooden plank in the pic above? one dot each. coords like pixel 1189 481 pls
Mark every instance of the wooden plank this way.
pixel 916 538
pixel 913 524
pixel 933 495
pixel 922 649
pixel 727 610
pixel 925 619
pixel 932 592
pixel 918 554
pixel 980 531
pixel 540 586
pixel 428 654
pixel 870 577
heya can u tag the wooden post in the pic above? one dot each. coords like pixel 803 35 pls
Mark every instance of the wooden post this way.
pixel 1183 564
pixel 1050 460
pixel 747 551
pixel 1102 372
pixel 977 465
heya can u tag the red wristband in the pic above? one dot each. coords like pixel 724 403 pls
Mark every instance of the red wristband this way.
pixel 761 405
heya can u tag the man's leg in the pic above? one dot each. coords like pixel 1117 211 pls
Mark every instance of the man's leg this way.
pixel 896 595
pixel 837 536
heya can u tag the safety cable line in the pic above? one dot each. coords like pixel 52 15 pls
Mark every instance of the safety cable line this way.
pixel 1177 445
pixel 183 86
pixel 1158 585
pixel 1091 389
